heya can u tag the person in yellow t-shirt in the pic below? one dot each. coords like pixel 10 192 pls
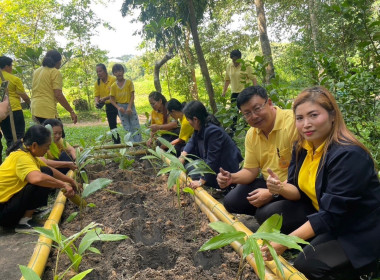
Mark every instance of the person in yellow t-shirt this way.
pixel 47 90
pixel 64 160
pixel 123 98
pixel 237 78
pixel 102 91
pixel 332 178
pixel 175 110
pixel 268 144
pixel 16 91
pixel 25 181
pixel 161 120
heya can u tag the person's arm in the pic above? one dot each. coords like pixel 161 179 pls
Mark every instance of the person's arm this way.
pixel 286 190
pixel 177 141
pixel 130 104
pixel 168 126
pixel 243 176
pixel 113 102
pixel 59 164
pixel 62 100
pixel 226 84
pixel 24 97
pixel 43 180
pixel 4 108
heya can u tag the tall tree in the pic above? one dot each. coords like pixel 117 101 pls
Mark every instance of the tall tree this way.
pixel 264 40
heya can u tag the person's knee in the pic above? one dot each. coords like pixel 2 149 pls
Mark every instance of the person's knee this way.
pixel 313 269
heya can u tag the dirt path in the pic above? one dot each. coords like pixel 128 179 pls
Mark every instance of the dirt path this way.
pixel 142 119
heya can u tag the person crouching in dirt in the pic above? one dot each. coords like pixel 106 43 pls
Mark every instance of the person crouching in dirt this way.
pixel 161 120
pixel 66 155
pixel 25 181
pixel 211 143
pixel 175 110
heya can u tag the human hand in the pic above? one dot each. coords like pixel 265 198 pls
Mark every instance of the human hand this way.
pixel 277 247
pixel 259 197
pixel 195 184
pixel 69 191
pixel 154 127
pixel 274 184
pixel 71 165
pixel 122 110
pixel 149 142
pixel 74 117
pixel 129 111
pixel 224 178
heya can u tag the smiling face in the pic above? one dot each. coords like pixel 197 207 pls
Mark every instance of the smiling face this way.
pixel 156 105
pixel 57 133
pixel 259 113
pixel 119 74
pixel 313 122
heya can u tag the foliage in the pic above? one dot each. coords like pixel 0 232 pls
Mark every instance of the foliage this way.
pixel 268 232
pixel 89 234
pixel 29 274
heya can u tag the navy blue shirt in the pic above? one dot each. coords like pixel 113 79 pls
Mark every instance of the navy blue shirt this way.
pixel 216 148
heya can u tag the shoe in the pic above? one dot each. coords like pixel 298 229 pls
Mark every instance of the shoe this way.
pixel 28 227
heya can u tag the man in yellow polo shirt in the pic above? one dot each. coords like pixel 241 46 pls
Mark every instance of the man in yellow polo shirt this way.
pixel 16 91
pixel 268 144
pixel 237 78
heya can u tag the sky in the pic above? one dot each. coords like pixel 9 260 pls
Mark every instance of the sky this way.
pixel 120 41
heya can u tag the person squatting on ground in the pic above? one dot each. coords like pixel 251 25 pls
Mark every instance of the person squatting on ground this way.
pixel 122 97
pixel 25 181
pixel 161 120
pixel 102 91
pixel 66 153
pixel 268 144
pixel 47 90
pixel 211 143
pixel 237 78
pixel 336 174
pixel 175 110
pixel 15 91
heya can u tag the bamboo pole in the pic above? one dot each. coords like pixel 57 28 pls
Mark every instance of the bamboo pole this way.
pixel 132 153
pixel 119 146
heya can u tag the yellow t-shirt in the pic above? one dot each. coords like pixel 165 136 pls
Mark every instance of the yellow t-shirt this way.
pixel 13 172
pixel 62 146
pixel 274 152
pixel 43 102
pixel 308 172
pixel 104 88
pixel 186 130
pixel 122 94
pixel 15 86
pixel 238 77
pixel 158 118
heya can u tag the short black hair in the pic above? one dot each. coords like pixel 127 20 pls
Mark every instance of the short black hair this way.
pixel 174 105
pixel 117 67
pixel 5 61
pixel 235 53
pixel 248 93
pixel 51 58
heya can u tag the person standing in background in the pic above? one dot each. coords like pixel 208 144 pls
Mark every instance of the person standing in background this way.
pixel 102 91
pixel 236 77
pixel 47 90
pixel 15 91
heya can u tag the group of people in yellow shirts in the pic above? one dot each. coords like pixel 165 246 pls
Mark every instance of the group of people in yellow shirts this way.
pixel 302 163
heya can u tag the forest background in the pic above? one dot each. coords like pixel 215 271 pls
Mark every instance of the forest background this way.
pixel 186 44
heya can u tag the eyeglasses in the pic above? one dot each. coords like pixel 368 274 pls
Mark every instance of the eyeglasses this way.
pixel 256 110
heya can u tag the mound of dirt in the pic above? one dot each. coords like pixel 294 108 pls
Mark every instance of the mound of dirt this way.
pixel 163 240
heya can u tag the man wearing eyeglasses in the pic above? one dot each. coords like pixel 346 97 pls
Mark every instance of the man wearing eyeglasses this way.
pixel 268 144
pixel 237 78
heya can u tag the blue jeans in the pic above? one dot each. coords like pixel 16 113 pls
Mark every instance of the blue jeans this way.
pixel 130 122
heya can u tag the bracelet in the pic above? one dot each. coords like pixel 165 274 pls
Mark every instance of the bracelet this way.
pixel 200 183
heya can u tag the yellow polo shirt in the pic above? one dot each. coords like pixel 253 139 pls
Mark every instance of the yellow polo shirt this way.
pixel 122 94
pixel 13 172
pixel 43 102
pixel 275 151
pixel 104 88
pixel 186 129
pixel 238 77
pixel 308 172
pixel 14 86
pixel 158 118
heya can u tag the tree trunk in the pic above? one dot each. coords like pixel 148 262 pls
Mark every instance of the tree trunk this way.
pixel 314 35
pixel 193 86
pixel 264 40
pixel 201 59
pixel 157 84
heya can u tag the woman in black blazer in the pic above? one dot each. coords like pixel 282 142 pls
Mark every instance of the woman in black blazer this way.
pixel 211 143
pixel 332 169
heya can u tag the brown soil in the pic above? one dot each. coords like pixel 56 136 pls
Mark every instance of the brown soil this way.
pixel 162 244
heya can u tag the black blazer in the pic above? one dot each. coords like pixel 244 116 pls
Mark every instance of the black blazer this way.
pixel 348 194
pixel 216 148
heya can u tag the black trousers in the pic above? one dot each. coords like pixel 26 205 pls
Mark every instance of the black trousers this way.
pixel 234 96
pixel 29 198
pixel 5 125
pixel 325 259
pixel 294 213
pixel 112 113
pixel 64 157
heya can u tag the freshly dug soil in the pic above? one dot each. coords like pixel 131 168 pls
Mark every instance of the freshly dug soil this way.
pixel 163 242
